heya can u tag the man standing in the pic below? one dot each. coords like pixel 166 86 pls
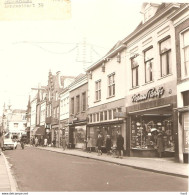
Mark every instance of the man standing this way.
pixel 120 142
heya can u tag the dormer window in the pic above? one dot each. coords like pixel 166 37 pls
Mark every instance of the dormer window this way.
pixel 149 10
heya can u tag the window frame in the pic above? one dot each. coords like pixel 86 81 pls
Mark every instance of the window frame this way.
pixel 183 47
pixel 166 53
pixel 72 105
pixel 98 90
pixel 77 104
pixel 111 86
pixel 84 101
pixel 146 63
pixel 134 67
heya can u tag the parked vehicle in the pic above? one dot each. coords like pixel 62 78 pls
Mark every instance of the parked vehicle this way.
pixel 9 144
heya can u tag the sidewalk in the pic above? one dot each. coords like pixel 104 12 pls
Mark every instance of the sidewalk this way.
pixel 7 181
pixel 160 165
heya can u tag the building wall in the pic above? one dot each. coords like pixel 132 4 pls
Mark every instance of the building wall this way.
pixel 64 105
pixel 181 23
pixel 111 66
pixel 81 115
pixel 43 113
pixel 33 114
pixel 151 38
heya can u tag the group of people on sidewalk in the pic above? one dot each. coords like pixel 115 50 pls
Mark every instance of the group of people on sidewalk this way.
pixel 39 142
pixel 108 145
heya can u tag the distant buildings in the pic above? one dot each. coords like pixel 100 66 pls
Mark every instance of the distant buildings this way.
pixel 14 121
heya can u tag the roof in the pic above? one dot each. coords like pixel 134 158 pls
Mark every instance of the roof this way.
pixel 19 111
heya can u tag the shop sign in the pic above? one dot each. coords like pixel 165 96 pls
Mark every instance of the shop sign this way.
pixel 120 114
pixel 152 93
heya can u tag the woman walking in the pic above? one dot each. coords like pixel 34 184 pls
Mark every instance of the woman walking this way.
pixel 89 144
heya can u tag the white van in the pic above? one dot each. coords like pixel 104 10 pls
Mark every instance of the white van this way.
pixel 9 143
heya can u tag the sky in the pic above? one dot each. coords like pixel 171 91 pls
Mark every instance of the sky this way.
pixel 29 49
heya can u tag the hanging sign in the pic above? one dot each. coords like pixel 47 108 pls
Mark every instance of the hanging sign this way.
pixel 152 93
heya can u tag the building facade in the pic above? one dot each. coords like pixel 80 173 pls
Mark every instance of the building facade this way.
pixel 181 23
pixel 106 96
pixel 78 91
pixel 151 95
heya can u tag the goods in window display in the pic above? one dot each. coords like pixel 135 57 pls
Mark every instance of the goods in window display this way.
pixel 144 133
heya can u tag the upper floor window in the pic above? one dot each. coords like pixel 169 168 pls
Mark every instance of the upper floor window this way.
pixel 98 90
pixel 148 60
pixel 165 55
pixel 72 106
pixel 84 101
pixel 77 104
pixel 15 125
pixel 134 68
pixel 111 85
pixel 185 54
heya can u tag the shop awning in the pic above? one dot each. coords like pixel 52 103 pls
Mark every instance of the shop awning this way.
pixel 40 131
pixel 183 109
pixel 35 129
pixel 165 110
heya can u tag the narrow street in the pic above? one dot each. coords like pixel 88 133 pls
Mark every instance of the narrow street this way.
pixel 40 170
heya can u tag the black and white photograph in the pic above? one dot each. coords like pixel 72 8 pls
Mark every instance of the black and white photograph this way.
pixel 94 97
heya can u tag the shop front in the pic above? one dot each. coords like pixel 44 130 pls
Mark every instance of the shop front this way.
pixel 146 121
pixel 77 135
pixel 110 128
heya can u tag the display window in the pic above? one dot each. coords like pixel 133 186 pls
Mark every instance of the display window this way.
pixel 104 130
pixel 79 136
pixel 145 130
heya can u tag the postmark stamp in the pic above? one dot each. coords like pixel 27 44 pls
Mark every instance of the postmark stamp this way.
pixel 35 9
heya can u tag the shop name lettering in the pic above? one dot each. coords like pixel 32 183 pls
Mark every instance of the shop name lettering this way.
pixel 152 93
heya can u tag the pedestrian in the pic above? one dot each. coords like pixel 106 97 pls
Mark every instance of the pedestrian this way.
pixel 99 144
pixel 1 141
pixel 45 142
pixel 89 144
pixel 119 143
pixel 54 142
pixel 64 142
pixel 33 141
pixel 108 144
pixel 36 142
pixel 160 144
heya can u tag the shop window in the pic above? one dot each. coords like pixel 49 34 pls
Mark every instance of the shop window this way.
pixel 110 114
pixel 165 55
pixel 148 60
pixel 98 90
pixel 105 115
pixel 144 133
pixel 185 54
pixel 134 69
pixel 186 131
pixel 111 85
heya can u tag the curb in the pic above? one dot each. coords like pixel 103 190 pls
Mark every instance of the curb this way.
pixel 118 163
pixel 13 183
